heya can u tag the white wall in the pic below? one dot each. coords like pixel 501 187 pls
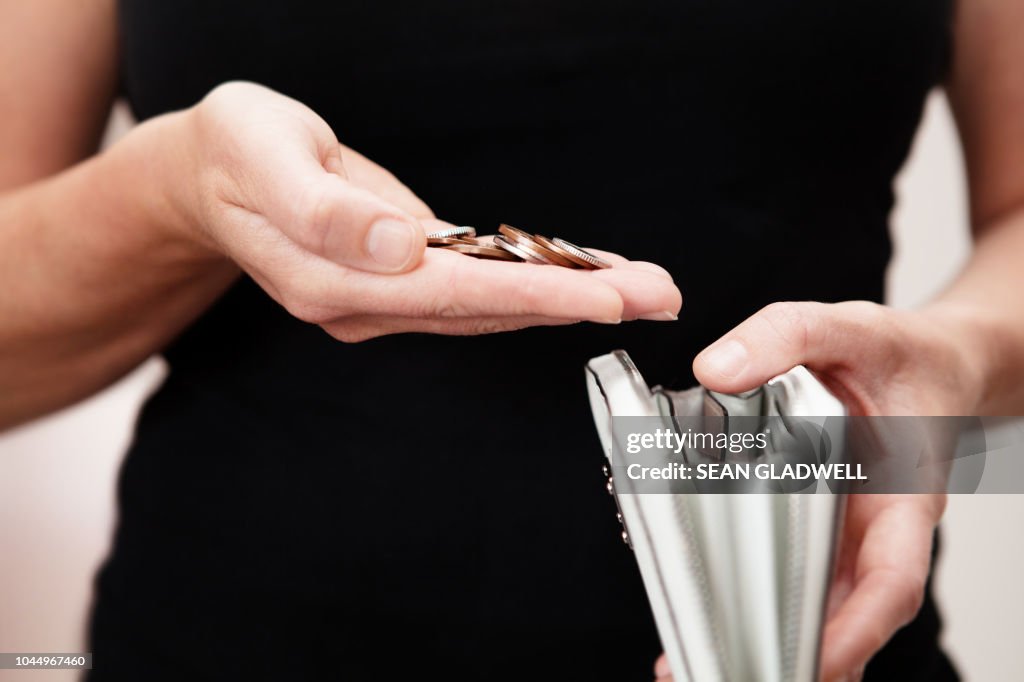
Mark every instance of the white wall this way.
pixel 978 578
pixel 56 475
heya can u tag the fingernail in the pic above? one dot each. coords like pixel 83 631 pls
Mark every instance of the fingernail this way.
pixel 391 242
pixel 727 358
pixel 617 320
pixel 663 316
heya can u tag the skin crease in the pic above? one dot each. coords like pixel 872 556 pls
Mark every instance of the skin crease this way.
pixel 104 259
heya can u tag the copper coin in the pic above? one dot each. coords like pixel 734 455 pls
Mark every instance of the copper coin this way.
pixel 486 252
pixel 545 243
pixel 483 240
pixel 531 244
pixel 452 232
pixel 512 233
pixel 446 241
pixel 522 253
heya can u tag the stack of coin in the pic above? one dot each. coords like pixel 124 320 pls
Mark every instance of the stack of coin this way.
pixel 516 245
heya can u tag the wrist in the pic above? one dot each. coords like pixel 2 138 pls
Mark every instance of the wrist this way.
pixel 158 161
pixel 977 343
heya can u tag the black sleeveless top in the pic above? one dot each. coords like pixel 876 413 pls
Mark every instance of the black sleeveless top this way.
pixel 297 508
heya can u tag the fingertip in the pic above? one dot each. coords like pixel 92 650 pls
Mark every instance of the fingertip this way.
pixel 646 295
pixel 652 268
pixel 395 245
pixel 593 298
pixel 624 263
pixel 660 316
pixel 722 366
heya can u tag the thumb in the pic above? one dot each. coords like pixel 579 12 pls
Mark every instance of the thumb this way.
pixel 313 203
pixel 781 336
pixel 353 226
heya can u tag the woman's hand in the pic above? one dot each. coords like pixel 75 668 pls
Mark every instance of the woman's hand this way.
pixel 879 361
pixel 340 242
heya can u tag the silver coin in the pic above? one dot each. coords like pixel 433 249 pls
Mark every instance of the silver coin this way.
pixel 453 232
pixel 576 254
pixel 568 259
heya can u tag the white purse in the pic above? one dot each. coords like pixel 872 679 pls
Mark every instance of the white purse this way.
pixel 737 582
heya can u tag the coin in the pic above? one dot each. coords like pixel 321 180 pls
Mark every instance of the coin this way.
pixel 530 243
pixel 522 253
pixel 573 260
pixel 486 252
pixel 578 255
pixel 452 232
pixel 446 241
pixel 483 240
pixel 512 233
pixel 543 242
pixel 513 244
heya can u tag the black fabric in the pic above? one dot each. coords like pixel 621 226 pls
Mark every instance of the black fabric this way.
pixel 297 508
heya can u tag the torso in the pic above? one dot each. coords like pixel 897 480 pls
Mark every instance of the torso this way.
pixel 436 503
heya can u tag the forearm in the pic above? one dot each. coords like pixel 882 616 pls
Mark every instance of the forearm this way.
pixel 98 269
pixel 985 306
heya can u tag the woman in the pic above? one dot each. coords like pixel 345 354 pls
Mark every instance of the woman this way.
pixel 293 507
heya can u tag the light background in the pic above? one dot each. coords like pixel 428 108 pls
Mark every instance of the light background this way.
pixel 57 498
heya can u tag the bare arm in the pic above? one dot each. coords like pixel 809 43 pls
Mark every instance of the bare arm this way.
pixel 963 354
pixel 93 281
pixel 89 284
pixel 986 90
pixel 105 261
pixel 57 77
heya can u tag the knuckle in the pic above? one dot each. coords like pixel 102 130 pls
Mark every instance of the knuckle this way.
pixel 441 301
pixel 312 216
pixel 472 326
pixel 303 303
pixel 229 89
pixel 219 93
pixel 446 310
pixel 430 304
pixel 877 323
pixel 533 293
pixel 308 312
pixel 217 108
pixel 351 333
pixel 876 637
pixel 784 311
pixel 488 326
pixel 914 599
pixel 865 312
pixel 910 591
pixel 790 322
